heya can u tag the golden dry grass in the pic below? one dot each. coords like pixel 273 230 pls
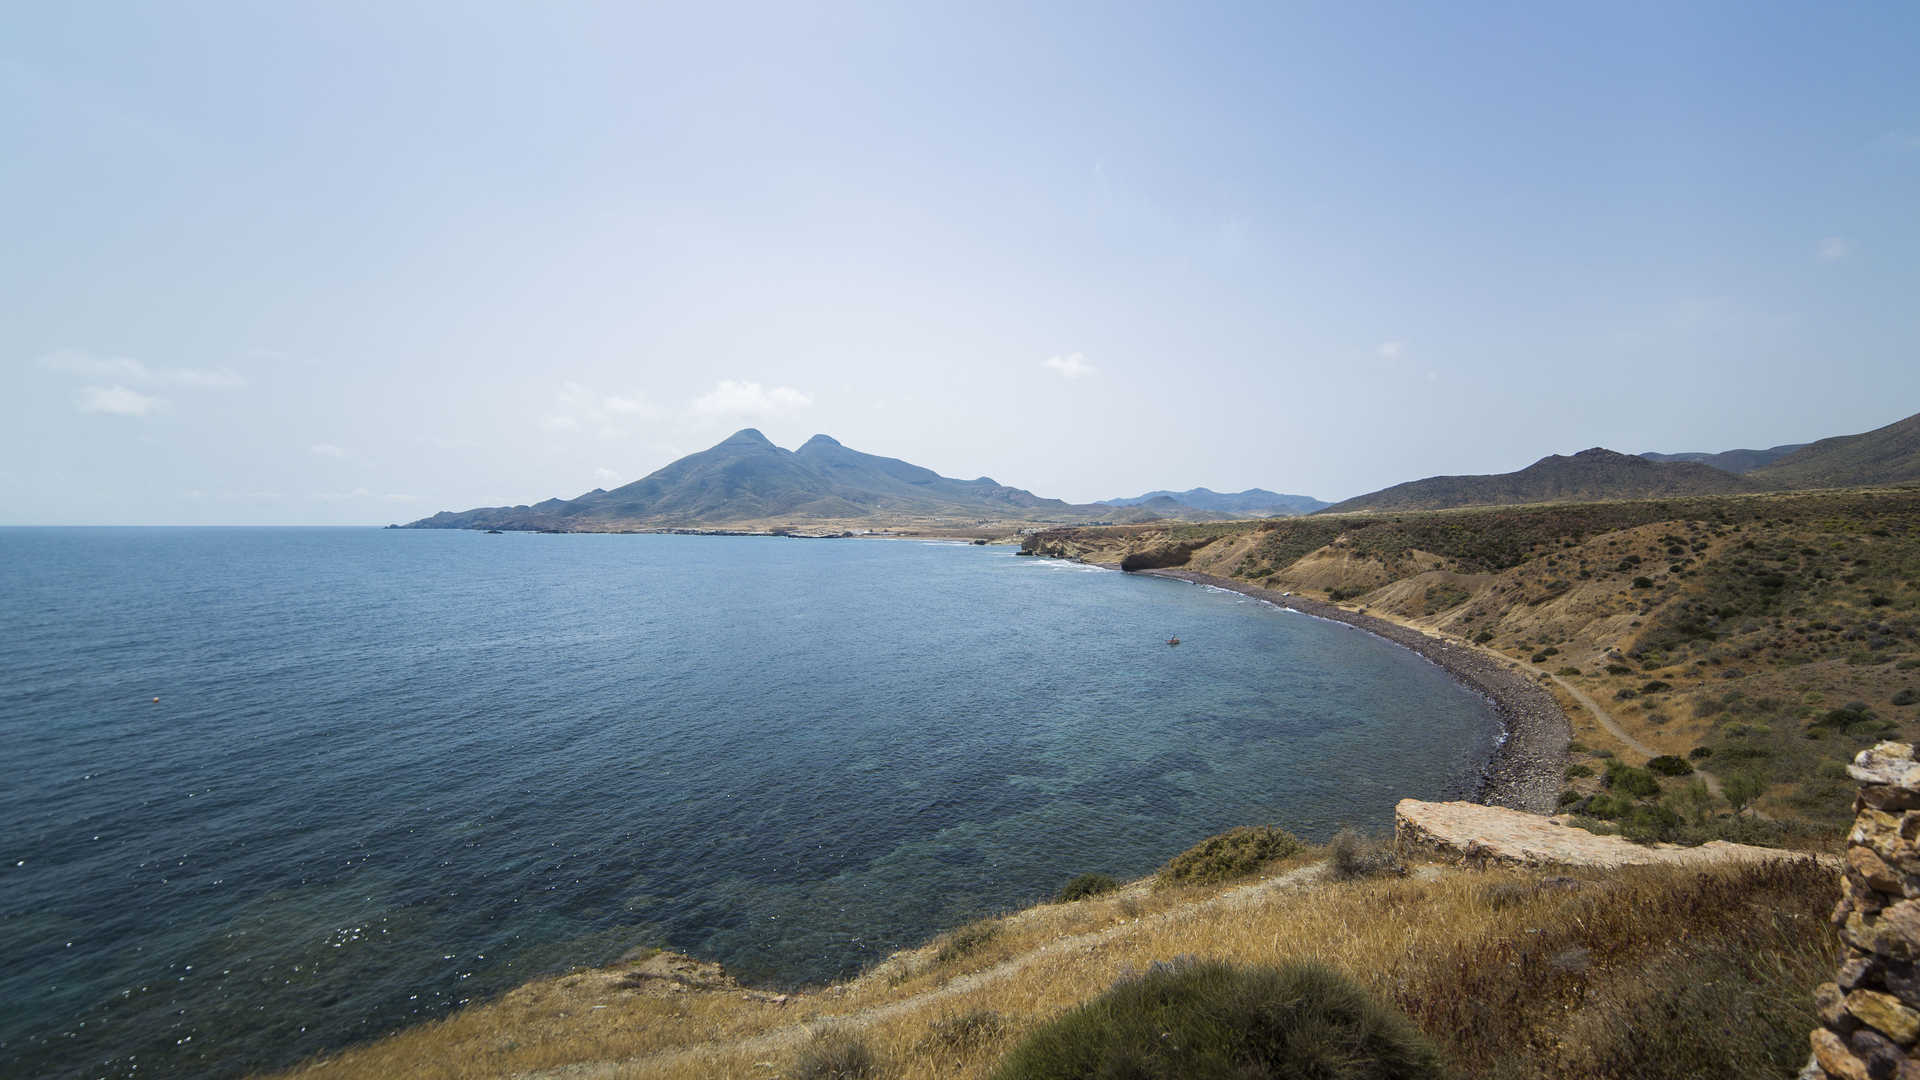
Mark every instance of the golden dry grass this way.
pixel 1497 967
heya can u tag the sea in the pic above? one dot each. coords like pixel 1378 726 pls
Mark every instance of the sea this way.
pixel 270 792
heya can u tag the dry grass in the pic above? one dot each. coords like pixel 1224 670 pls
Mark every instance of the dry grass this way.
pixel 1510 973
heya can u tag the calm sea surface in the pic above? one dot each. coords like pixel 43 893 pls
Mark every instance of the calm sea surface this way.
pixel 394 771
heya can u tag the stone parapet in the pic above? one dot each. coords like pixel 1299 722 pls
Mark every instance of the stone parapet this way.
pixel 1870 1012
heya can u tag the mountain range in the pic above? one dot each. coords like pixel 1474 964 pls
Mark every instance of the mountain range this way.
pixel 1253 502
pixel 1588 475
pixel 1733 461
pixel 1887 455
pixel 746 481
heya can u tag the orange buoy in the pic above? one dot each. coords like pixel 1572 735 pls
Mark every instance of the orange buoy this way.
pixel 156 701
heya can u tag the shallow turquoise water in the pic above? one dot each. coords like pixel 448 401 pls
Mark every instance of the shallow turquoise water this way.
pixel 391 771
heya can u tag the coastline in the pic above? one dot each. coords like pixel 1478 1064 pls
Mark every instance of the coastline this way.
pixel 1527 770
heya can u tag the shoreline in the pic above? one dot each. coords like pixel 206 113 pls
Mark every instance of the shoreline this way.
pixel 1528 768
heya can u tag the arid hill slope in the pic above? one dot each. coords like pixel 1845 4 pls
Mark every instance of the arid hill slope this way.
pixel 1588 475
pixel 1887 455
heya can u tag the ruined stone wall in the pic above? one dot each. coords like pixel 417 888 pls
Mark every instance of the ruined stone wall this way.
pixel 1870 1013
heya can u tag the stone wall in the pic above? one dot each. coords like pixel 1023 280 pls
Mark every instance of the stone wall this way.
pixel 1870 1013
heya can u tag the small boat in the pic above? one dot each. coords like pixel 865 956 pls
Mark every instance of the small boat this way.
pixel 1173 641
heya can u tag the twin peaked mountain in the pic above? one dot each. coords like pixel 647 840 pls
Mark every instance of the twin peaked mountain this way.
pixel 747 481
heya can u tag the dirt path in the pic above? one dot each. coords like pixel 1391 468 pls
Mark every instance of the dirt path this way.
pixel 790 1035
pixel 1612 727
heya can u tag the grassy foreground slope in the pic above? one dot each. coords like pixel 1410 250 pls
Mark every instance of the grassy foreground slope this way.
pixel 1763 638
pixel 1646 972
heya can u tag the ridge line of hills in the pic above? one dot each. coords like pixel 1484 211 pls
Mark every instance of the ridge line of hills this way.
pixel 747 482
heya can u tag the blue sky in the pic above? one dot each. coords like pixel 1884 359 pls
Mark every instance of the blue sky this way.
pixel 331 263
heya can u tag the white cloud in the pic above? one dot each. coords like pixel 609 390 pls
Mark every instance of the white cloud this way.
pixel 80 362
pixel 1391 350
pixel 118 401
pixel 577 407
pixel 1070 366
pixel 731 397
pixel 326 449
pixel 606 476
pixel 1833 249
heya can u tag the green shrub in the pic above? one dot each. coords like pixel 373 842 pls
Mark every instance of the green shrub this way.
pixel 1905 697
pixel 1608 807
pixel 1232 854
pixel 1638 783
pixel 1352 854
pixel 1655 686
pixel 834 1054
pixel 1569 670
pixel 1669 765
pixel 1700 753
pixel 1200 1020
pixel 1619 669
pixel 1483 637
pixel 1643 583
pixel 1741 789
pixel 1577 771
pixel 1569 797
pixel 1084 886
pixel 1647 824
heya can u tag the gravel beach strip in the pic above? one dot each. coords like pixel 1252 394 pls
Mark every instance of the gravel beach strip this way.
pixel 1528 769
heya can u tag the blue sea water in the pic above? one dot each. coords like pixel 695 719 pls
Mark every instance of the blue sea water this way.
pixel 389 772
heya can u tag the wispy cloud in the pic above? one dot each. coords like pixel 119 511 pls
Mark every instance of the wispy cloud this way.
pixel 327 450
pixel 1070 366
pixel 735 398
pixel 1391 350
pixel 118 401
pixel 606 476
pixel 1900 139
pixel 80 362
pixel 1833 249
pixel 578 407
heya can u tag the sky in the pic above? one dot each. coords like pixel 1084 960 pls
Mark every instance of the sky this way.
pixel 336 263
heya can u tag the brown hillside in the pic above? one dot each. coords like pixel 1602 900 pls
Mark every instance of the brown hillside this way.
pixel 1583 477
pixel 1887 455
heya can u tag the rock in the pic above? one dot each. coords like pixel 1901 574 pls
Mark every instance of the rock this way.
pixel 1900 980
pixel 1887 763
pixel 1881 1058
pixel 1896 933
pixel 1830 1002
pixel 1480 833
pixel 1858 971
pixel 1883 797
pixel 1875 872
pixel 1882 1012
pixel 1835 1058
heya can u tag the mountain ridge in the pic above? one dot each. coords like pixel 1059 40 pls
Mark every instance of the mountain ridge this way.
pixel 1594 473
pixel 746 481
pixel 1256 501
